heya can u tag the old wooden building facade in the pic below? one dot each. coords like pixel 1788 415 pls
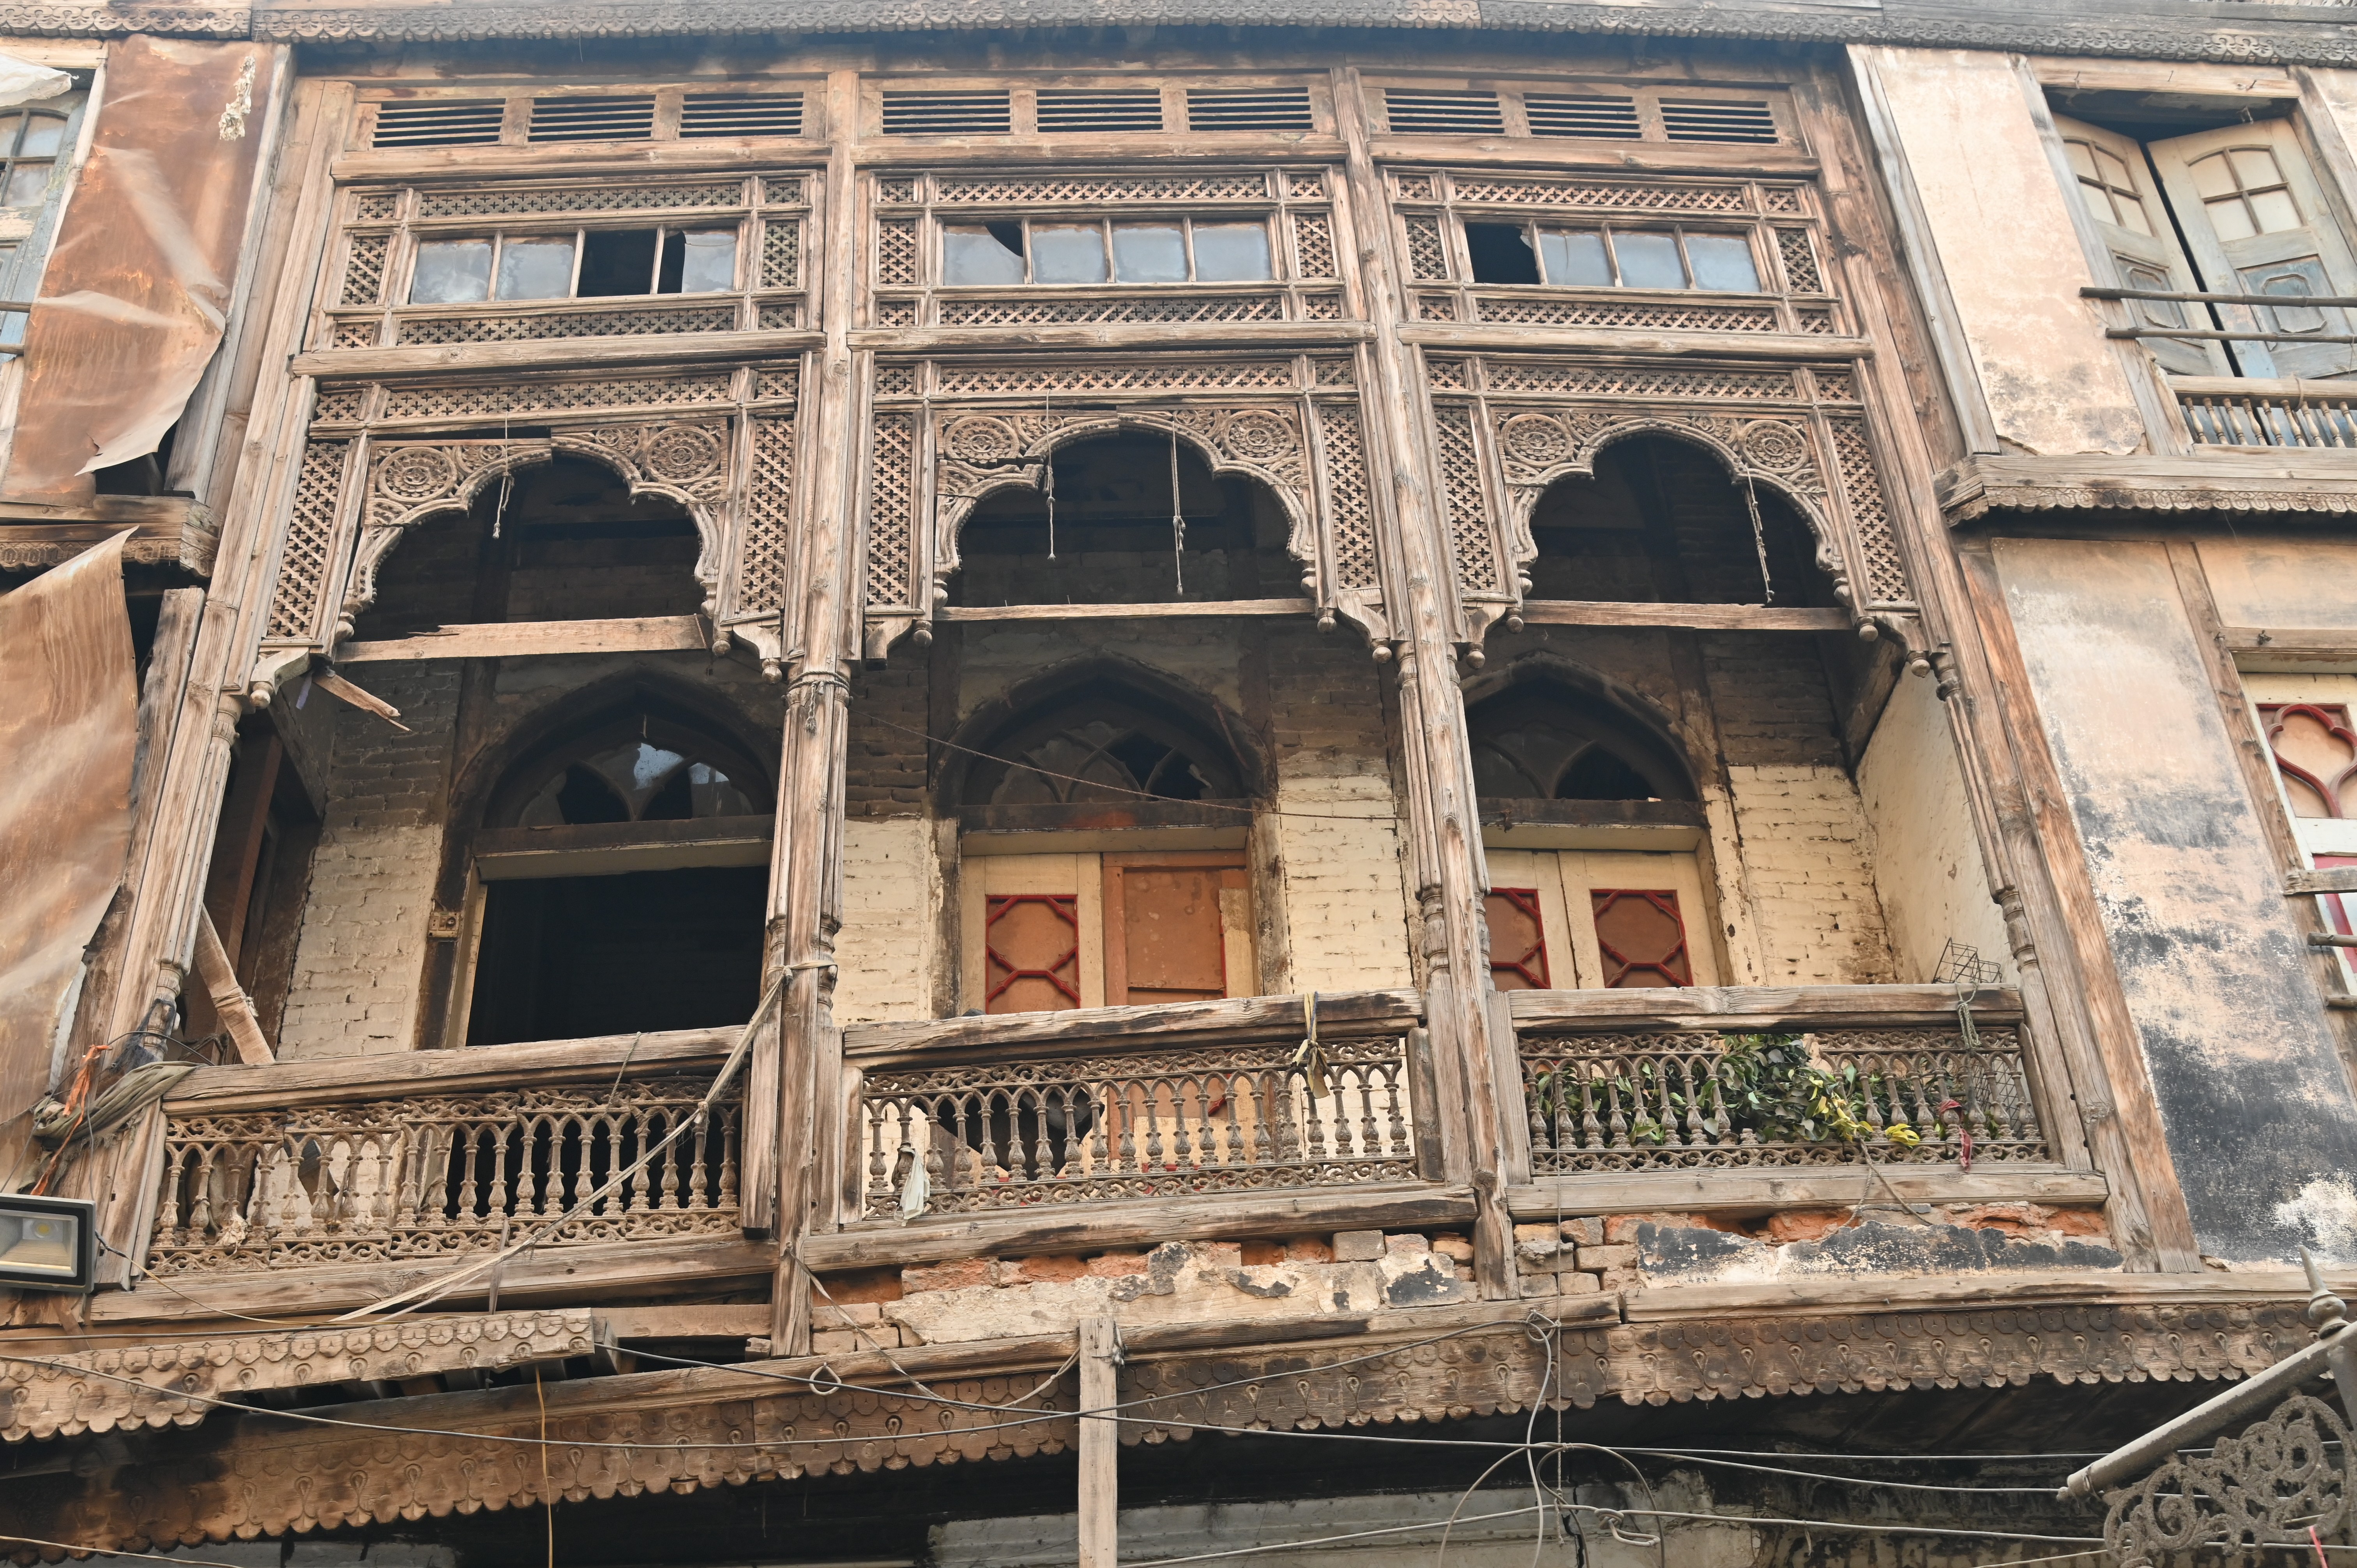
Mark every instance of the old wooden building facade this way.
pixel 1585 736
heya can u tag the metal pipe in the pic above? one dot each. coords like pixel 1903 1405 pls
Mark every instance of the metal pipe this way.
pixel 2229 337
pixel 2190 297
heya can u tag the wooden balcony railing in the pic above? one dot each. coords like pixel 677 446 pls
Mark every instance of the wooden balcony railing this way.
pixel 1723 1078
pixel 2221 412
pixel 970 1115
pixel 373 1174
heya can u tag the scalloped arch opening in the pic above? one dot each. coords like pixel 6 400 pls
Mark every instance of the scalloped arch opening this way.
pixel 563 540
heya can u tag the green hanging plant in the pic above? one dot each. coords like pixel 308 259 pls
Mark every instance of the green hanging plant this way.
pixel 1764 1084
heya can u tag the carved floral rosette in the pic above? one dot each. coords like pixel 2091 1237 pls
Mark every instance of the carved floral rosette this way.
pixel 930 465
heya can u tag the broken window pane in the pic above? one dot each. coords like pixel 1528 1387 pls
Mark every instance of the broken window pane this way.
pixel 44 135
pixel 1649 259
pixel 1232 253
pixel 535 269
pixel 1150 253
pixel 28 183
pixel 1575 256
pixel 613 262
pixel 709 262
pixel 1723 262
pixel 982 253
pixel 452 272
pixel 1067 252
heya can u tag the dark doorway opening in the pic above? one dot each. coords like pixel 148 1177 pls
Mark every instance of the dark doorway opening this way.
pixel 566 958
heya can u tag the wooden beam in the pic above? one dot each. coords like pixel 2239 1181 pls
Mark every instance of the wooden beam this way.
pixel 1753 1006
pixel 1214 608
pixel 1100 1444
pixel 1703 617
pixel 231 1003
pixel 1146 1223
pixel 478 1070
pixel 2318 645
pixel 1626 340
pixel 1229 338
pixel 1191 1023
pixel 557 353
pixel 538 638
pixel 687 1322
pixel 2303 883
pixel 1819 1187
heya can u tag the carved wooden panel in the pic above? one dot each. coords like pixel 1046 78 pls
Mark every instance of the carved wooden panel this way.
pixel 720 442
pixel 1505 429
pixel 947 433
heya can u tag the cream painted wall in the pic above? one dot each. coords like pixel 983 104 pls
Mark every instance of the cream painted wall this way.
pixel 2006 242
pixel 885 953
pixel 1927 860
pixel 1346 905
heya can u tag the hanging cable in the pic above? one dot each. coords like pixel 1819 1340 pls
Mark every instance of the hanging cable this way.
pixel 1177 516
pixel 507 469
pixel 1047 461
pixel 1758 542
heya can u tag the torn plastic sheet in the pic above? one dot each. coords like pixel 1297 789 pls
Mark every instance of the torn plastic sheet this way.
pixel 137 289
pixel 22 81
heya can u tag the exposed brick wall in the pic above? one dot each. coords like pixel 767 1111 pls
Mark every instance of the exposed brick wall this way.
pixel 1807 863
pixel 884 772
pixel 357 966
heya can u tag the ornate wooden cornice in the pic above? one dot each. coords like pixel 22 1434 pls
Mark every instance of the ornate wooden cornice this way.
pixel 2280 34
pixel 46 1393
pixel 2221 481
pixel 682 1430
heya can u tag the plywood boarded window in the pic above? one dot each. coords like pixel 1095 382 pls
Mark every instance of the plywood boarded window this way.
pixel 1177 926
pixel 1517 939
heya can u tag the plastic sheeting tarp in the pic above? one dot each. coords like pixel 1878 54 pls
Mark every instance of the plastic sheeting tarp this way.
pixel 137 288
pixel 69 728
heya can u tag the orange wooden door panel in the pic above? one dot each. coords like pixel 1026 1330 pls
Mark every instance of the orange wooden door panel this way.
pixel 1517 939
pixel 1031 951
pixel 1642 937
pixel 1164 941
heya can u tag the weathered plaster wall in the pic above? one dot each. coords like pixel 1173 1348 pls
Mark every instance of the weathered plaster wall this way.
pixel 1926 859
pixel 885 950
pixel 1980 172
pixel 2283 582
pixel 2257 1107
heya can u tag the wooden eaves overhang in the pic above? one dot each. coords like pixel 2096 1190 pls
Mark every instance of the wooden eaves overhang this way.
pixel 260 1473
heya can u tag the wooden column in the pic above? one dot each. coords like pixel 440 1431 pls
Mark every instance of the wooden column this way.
pixel 1100 1444
pixel 1443 829
pixel 806 865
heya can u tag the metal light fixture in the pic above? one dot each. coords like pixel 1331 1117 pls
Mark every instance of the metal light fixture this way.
pixel 48 1244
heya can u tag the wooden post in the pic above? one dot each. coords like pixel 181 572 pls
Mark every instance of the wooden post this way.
pixel 1100 1444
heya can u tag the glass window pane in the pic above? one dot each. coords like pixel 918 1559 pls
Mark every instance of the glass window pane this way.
pixel 971 254
pixel 1574 256
pixel 2212 177
pixel 1150 253
pixel 11 327
pixel 44 135
pixel 2275 211
pixel 1724 261
pixel 711 267
pixel 2256 168
pixel 1067 252
pixel 452 272
pixel 1232 253
pixel 2229 219
pixel 2083 160
pixel 28 183
pixel 535 269
pixel 2115 173
pixel 1648 259
pixel 2129 213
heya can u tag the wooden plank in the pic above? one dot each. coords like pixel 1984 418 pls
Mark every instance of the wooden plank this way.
pixel 1189 1023
pixel 1214 608
pixel 1100 1444
pixel 1225 1217
pixel 477 1070
pixel 531 639
pixel 651 1265
pixel 2323 645
pixel 1702 617
pixel 565 353
pixel 1228 337
pixel 697 1321
pixel 1748 1006
pixel 229 1002
pixel 1625 340
pixel 1561 155
pixel 1980 1291
pixel 2302 884
pixel 1750 1191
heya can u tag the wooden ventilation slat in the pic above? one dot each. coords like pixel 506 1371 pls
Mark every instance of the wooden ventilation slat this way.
pixel 947 113
pixel 592 120
pixel 1717 120
pixel 1451 111
pixel 740 114
pixel 1591 118
pixel 1248 109
pixel 1067 109
pixel 446 123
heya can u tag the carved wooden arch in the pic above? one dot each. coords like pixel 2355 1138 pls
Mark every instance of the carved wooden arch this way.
pixel 978 453
pixel 1539 448
pixel 410 482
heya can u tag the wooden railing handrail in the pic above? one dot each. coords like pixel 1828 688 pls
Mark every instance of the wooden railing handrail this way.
pixel 475 1069
pixel 1235 1019
pixel 1743 1007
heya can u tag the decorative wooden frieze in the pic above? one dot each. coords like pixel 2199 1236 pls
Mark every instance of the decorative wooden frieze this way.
pixel 67 1394
pixel 1504 430
pixel 721 442
pixel 946 434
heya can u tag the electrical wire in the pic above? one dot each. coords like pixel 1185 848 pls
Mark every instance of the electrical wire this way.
pixel 1820 1475
pixel 105 1552
pixel 1321 1541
